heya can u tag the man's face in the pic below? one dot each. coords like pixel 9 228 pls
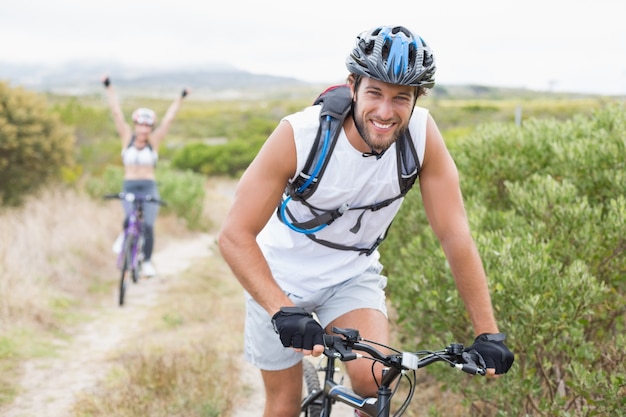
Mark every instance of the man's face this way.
pixel 382 112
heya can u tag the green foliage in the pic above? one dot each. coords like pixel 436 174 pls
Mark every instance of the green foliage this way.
pixel 547 207
pixel 184 193
pixel 89 122
pixel 230 158
pixel 35 147
pixel 109 182
pixel 587 150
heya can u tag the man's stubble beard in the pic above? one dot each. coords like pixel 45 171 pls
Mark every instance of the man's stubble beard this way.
pixel 376 145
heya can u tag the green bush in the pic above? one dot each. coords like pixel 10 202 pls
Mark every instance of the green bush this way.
pixel 230 158
pixel 35 147
pixel 547 207
pixel 184 193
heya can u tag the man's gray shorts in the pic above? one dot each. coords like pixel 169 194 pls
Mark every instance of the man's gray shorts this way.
pixel 262 346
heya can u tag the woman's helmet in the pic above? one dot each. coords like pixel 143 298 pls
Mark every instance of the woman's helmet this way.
pixel 143 116
pixel 394 55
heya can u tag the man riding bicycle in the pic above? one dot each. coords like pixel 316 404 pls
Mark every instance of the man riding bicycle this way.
pixel 288 273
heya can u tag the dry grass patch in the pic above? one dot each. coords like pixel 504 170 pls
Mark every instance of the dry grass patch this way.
pixel 184 361
pixel 52 254
pixel 52 265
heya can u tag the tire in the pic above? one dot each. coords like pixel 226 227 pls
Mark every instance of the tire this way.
pixel 312 384
pixel 126 266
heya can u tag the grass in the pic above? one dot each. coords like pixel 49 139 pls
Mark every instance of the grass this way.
pixel 184 363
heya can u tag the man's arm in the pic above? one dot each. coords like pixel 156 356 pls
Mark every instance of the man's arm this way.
pixel 257 196
pixel 443 203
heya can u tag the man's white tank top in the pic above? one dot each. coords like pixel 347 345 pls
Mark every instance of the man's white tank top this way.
pixel 302 266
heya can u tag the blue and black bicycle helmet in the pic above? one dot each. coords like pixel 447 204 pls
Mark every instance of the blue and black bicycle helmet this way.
pixel 395 55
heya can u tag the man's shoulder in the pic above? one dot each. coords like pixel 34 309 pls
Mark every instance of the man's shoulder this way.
pixel 310 114
pixel 420 112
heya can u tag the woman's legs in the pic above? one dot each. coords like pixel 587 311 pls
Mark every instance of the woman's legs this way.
pixel 150 211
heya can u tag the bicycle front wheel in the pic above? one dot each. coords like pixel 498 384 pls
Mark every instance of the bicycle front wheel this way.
pixel 125 269
pixel 312 403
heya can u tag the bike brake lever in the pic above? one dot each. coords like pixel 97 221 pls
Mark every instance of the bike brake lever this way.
pixel 337 349
pixel 470 366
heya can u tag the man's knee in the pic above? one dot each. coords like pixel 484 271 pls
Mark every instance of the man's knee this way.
pixel 283 392
pixel 362 381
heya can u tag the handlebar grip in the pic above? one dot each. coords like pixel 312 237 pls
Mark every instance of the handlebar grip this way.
pixel 471 368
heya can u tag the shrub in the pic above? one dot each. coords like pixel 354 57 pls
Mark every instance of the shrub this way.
pixel 231 158
pixel 35 147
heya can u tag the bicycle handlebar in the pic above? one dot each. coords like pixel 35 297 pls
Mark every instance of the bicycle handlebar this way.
pixel 343 347
pixel 131 197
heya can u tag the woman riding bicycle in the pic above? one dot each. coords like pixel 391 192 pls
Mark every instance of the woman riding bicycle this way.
pixel 140 148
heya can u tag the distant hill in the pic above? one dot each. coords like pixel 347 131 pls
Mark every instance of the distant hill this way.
pixel 80 78
pixel 210 81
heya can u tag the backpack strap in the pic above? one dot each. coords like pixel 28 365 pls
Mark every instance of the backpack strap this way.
pixel 336 104
pixel 409 166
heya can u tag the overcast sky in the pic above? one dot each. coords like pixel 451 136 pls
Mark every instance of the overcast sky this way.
pixel 562 45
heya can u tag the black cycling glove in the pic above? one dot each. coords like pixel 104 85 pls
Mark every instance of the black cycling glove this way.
pixel 106 82
pixel 297 328
pixel 492 351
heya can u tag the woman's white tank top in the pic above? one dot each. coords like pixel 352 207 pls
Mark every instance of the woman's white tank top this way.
pixel 143 156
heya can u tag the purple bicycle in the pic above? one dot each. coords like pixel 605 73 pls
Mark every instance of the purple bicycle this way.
pixel 131 256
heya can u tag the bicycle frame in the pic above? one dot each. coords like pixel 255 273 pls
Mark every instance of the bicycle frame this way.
pixel 132 232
